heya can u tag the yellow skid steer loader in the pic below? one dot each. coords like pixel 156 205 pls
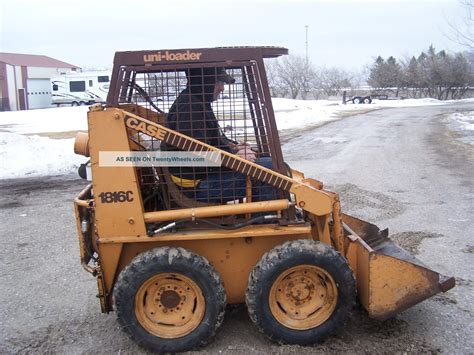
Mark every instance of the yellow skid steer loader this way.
pixel 192 207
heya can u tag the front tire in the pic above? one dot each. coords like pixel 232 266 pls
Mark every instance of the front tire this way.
pixel 300 292
pixel 170 300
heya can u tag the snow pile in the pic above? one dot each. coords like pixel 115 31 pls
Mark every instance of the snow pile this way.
pixel 408 102
pixel 23 156
pixel 299 113
pixel 463 123
pixel 465 120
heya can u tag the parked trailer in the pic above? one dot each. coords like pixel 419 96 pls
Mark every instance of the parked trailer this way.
pixel 356 99
pixel 84 88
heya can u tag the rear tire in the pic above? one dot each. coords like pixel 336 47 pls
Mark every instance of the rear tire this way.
pixel 170 300
pixel 300 292
pixel 367 100
pixel 74 103
pixel 357 100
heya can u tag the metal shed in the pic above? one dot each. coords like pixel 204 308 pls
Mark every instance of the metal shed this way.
pixel 24 80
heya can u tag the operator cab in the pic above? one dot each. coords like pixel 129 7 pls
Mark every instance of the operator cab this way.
pixel 148 83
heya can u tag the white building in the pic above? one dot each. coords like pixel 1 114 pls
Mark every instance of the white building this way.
pixel 25 80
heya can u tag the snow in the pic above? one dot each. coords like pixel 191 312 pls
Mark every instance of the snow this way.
pixel 28 145
pixel 462 123
pixel 23 156
pixel 61 119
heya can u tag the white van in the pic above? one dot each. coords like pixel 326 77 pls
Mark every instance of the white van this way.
pixel 84 88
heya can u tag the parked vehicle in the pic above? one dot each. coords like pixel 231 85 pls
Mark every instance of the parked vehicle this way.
pixel 84 88
pixel 356 99
pixel 361 100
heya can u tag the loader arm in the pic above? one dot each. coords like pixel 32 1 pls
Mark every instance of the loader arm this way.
pixel 307 195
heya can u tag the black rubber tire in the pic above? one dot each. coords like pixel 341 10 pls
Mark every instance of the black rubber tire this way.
pixel 357 100
pixel 74 103
pixel 178 260
pixel 282 258
pixel 367 100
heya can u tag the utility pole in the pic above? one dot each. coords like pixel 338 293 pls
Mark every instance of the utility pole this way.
pixel 306 27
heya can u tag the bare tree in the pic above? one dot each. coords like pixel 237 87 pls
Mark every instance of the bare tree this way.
pixel 292 75
pixel 277 87
pixel 333 81
pixel 462 30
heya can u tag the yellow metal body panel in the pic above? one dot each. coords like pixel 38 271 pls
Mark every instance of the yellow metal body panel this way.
pixel 109 255
pixel 206 234
pixel 108 133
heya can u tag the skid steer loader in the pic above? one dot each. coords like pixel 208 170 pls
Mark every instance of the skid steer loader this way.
pixel 172 244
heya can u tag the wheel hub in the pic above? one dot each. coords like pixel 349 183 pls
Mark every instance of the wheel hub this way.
pixel 301 291
pixel 169 305
pixel 303 297
pixel 170 299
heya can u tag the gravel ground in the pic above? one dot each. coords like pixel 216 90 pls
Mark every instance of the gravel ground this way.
pixel 400 168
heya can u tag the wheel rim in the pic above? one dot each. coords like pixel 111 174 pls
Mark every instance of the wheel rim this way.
pixel 169 305
pixel 303 297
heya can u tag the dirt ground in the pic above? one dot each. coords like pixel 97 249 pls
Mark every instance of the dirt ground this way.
pixel 398 168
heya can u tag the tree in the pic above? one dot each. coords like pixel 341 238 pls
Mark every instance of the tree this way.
pixel 376 76
pixel 332 81
pixel 460 75
pixel 277 87
pixel 461 30
pixel 440 75
pixel 410 78
pixel 385 74
pixel 292 75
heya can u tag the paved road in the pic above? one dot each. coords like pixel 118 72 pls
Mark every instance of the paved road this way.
pixel 400 168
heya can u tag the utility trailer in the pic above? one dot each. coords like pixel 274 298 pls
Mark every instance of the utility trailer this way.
pixel 356 99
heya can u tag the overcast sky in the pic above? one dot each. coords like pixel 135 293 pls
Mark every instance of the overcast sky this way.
pixel 347 34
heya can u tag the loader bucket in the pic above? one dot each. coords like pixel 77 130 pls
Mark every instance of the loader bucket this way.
pixel 389 279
